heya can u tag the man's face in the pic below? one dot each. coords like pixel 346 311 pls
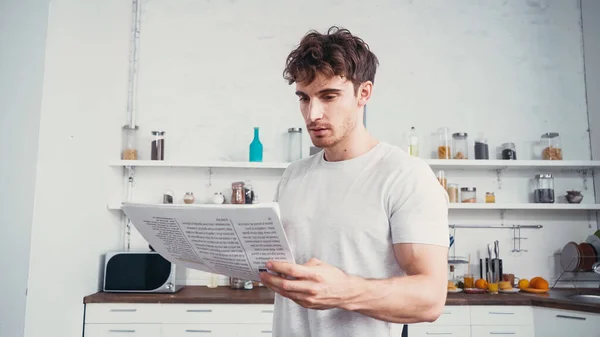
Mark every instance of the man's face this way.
pixel 330 109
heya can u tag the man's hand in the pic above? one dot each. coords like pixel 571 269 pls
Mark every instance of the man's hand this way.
pixel 316 284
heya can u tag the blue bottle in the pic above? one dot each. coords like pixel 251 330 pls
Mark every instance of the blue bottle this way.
pixel 256 147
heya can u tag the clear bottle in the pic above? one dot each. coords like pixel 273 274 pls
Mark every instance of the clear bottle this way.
pixel 413 142
pixel 551 146
pixel 294 144
pixel 482 150
pixel 441 176
pixel 543 192
pixel 129 149
pixel 157 148
pixel 460 145
pixel 443 148
pixel 213 280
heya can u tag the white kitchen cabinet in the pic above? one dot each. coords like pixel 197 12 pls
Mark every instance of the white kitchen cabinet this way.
pixel 439 330
pixel 199 330
pixel 558 322
pixel 255 330
pixel 122 330
pixel 495 315
pixel 502 330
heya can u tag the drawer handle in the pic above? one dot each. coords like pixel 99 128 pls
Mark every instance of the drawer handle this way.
pixel 199 310
pixel 501 333
pixel 121 330
pixel 267 311
pixel 266 331
pixel 123 310
pixel 571 317
pixel 446 313
pixel 438 333
pixel 501 313
pixel 200 331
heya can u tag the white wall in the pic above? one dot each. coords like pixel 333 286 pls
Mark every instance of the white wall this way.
pixel 209 71
pixel 22 44
pixel 591 28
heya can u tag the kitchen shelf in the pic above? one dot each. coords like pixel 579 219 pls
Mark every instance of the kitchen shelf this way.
pixel 481 206
pixel 525 206
pixel 434 163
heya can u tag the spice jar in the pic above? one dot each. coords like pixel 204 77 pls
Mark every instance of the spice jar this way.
pixel 441 176
pixel 129 150
pixel 460 145
pixel 238 194
pixel 248 193
pixel 490 197
pixel 551 146
pixel 543 192
pixel 218 198
pixel 157 148
pixel 509 151
pixel 168 197
pixel 294 144
pixel 189 198
pixel 468 195
pixel 443 150
pixel 453 193
pixel 481 148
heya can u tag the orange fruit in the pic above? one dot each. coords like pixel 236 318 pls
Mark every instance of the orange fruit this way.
pixel 523 283
pixel 481 284
pixel 533 282
pixel 541 284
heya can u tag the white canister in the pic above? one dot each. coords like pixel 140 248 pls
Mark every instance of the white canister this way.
pixel 294 144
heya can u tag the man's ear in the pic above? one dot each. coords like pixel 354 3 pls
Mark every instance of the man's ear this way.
pixel 364 93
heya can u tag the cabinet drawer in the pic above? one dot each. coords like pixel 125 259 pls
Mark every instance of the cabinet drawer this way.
pixel 255 330
pixel 452 315
pixel 501 315
pixel 199 330
pixel 431 330
pixel 122 313
pixel 217 313
pixel 502 330
pixel 122 330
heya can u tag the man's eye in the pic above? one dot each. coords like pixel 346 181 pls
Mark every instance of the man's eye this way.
pixel 328 97
pixel 303 99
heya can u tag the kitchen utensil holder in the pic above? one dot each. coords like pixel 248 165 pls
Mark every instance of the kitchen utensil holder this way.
pixel 516 233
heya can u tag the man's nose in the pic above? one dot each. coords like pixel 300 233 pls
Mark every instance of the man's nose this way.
pixel 315 110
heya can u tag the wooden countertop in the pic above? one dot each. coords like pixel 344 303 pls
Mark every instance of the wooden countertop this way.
pixel 555 298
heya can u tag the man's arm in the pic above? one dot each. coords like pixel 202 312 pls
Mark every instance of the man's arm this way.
pixel 418 297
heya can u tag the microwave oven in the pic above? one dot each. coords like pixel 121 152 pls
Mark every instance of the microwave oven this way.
pixel 141 272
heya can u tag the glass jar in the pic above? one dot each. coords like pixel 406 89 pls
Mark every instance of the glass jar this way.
pixel 460 146
pixel 238 194
pixel 482 150
pixel 248 192
pixel 189 198
pixel 551 146
pixel 468 195
pixel 453 193
pixel 168 197
pixel 157 148
pixel 412 140
pixel 443 149
pixel 543 192
pixel 509 151
pixel 441 176
pixel 490 197
pixel 129 148
pixel 294 144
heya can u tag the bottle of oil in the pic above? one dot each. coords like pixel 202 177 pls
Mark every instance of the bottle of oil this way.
pixel 413 142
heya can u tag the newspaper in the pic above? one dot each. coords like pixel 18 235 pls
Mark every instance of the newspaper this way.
pixel 232 240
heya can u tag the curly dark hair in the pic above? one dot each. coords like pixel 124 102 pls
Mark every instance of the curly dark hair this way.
pixel 336 53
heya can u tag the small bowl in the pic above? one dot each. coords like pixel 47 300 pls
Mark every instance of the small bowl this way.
pixel 574 197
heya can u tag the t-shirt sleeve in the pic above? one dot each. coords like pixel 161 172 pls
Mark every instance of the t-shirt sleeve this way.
pixel 419 208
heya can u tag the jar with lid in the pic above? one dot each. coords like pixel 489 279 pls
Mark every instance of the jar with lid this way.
pixel 294 144
pixel 551 146
pixel 481 148
pixel 189 198
pixel 509 151
pixel 460 146
pixel 129 148
pixel 157 148
pixel 468 195
pixel 238 193
pixel 543 192
pixel 490 197
pixel 441 176
pixel 453 193
pixel 443 148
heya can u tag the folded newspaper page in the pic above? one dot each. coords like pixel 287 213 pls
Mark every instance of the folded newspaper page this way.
pixel 232 240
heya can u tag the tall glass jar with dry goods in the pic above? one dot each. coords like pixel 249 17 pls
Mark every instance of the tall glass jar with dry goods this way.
pixel 157 147
pixel 294 139
pixel 129 148
pixel 460 145
pixel 551 146
pixel 543 192
pixel 443 146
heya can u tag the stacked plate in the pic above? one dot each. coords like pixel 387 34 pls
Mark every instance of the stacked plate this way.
pixel 582 256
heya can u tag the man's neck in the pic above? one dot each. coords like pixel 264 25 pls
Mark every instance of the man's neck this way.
pixel 356 144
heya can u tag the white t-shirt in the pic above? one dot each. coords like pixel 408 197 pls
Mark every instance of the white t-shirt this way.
pixel 349 214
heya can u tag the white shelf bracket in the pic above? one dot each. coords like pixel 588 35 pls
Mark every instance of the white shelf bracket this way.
pixel 584 176
pixel 498 177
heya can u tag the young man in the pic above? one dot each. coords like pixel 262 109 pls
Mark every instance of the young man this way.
pixel 367 223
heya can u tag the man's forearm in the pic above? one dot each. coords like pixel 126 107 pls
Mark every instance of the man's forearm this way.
pixel 408 299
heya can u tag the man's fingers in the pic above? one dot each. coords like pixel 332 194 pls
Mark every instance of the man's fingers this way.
pixel 290 269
